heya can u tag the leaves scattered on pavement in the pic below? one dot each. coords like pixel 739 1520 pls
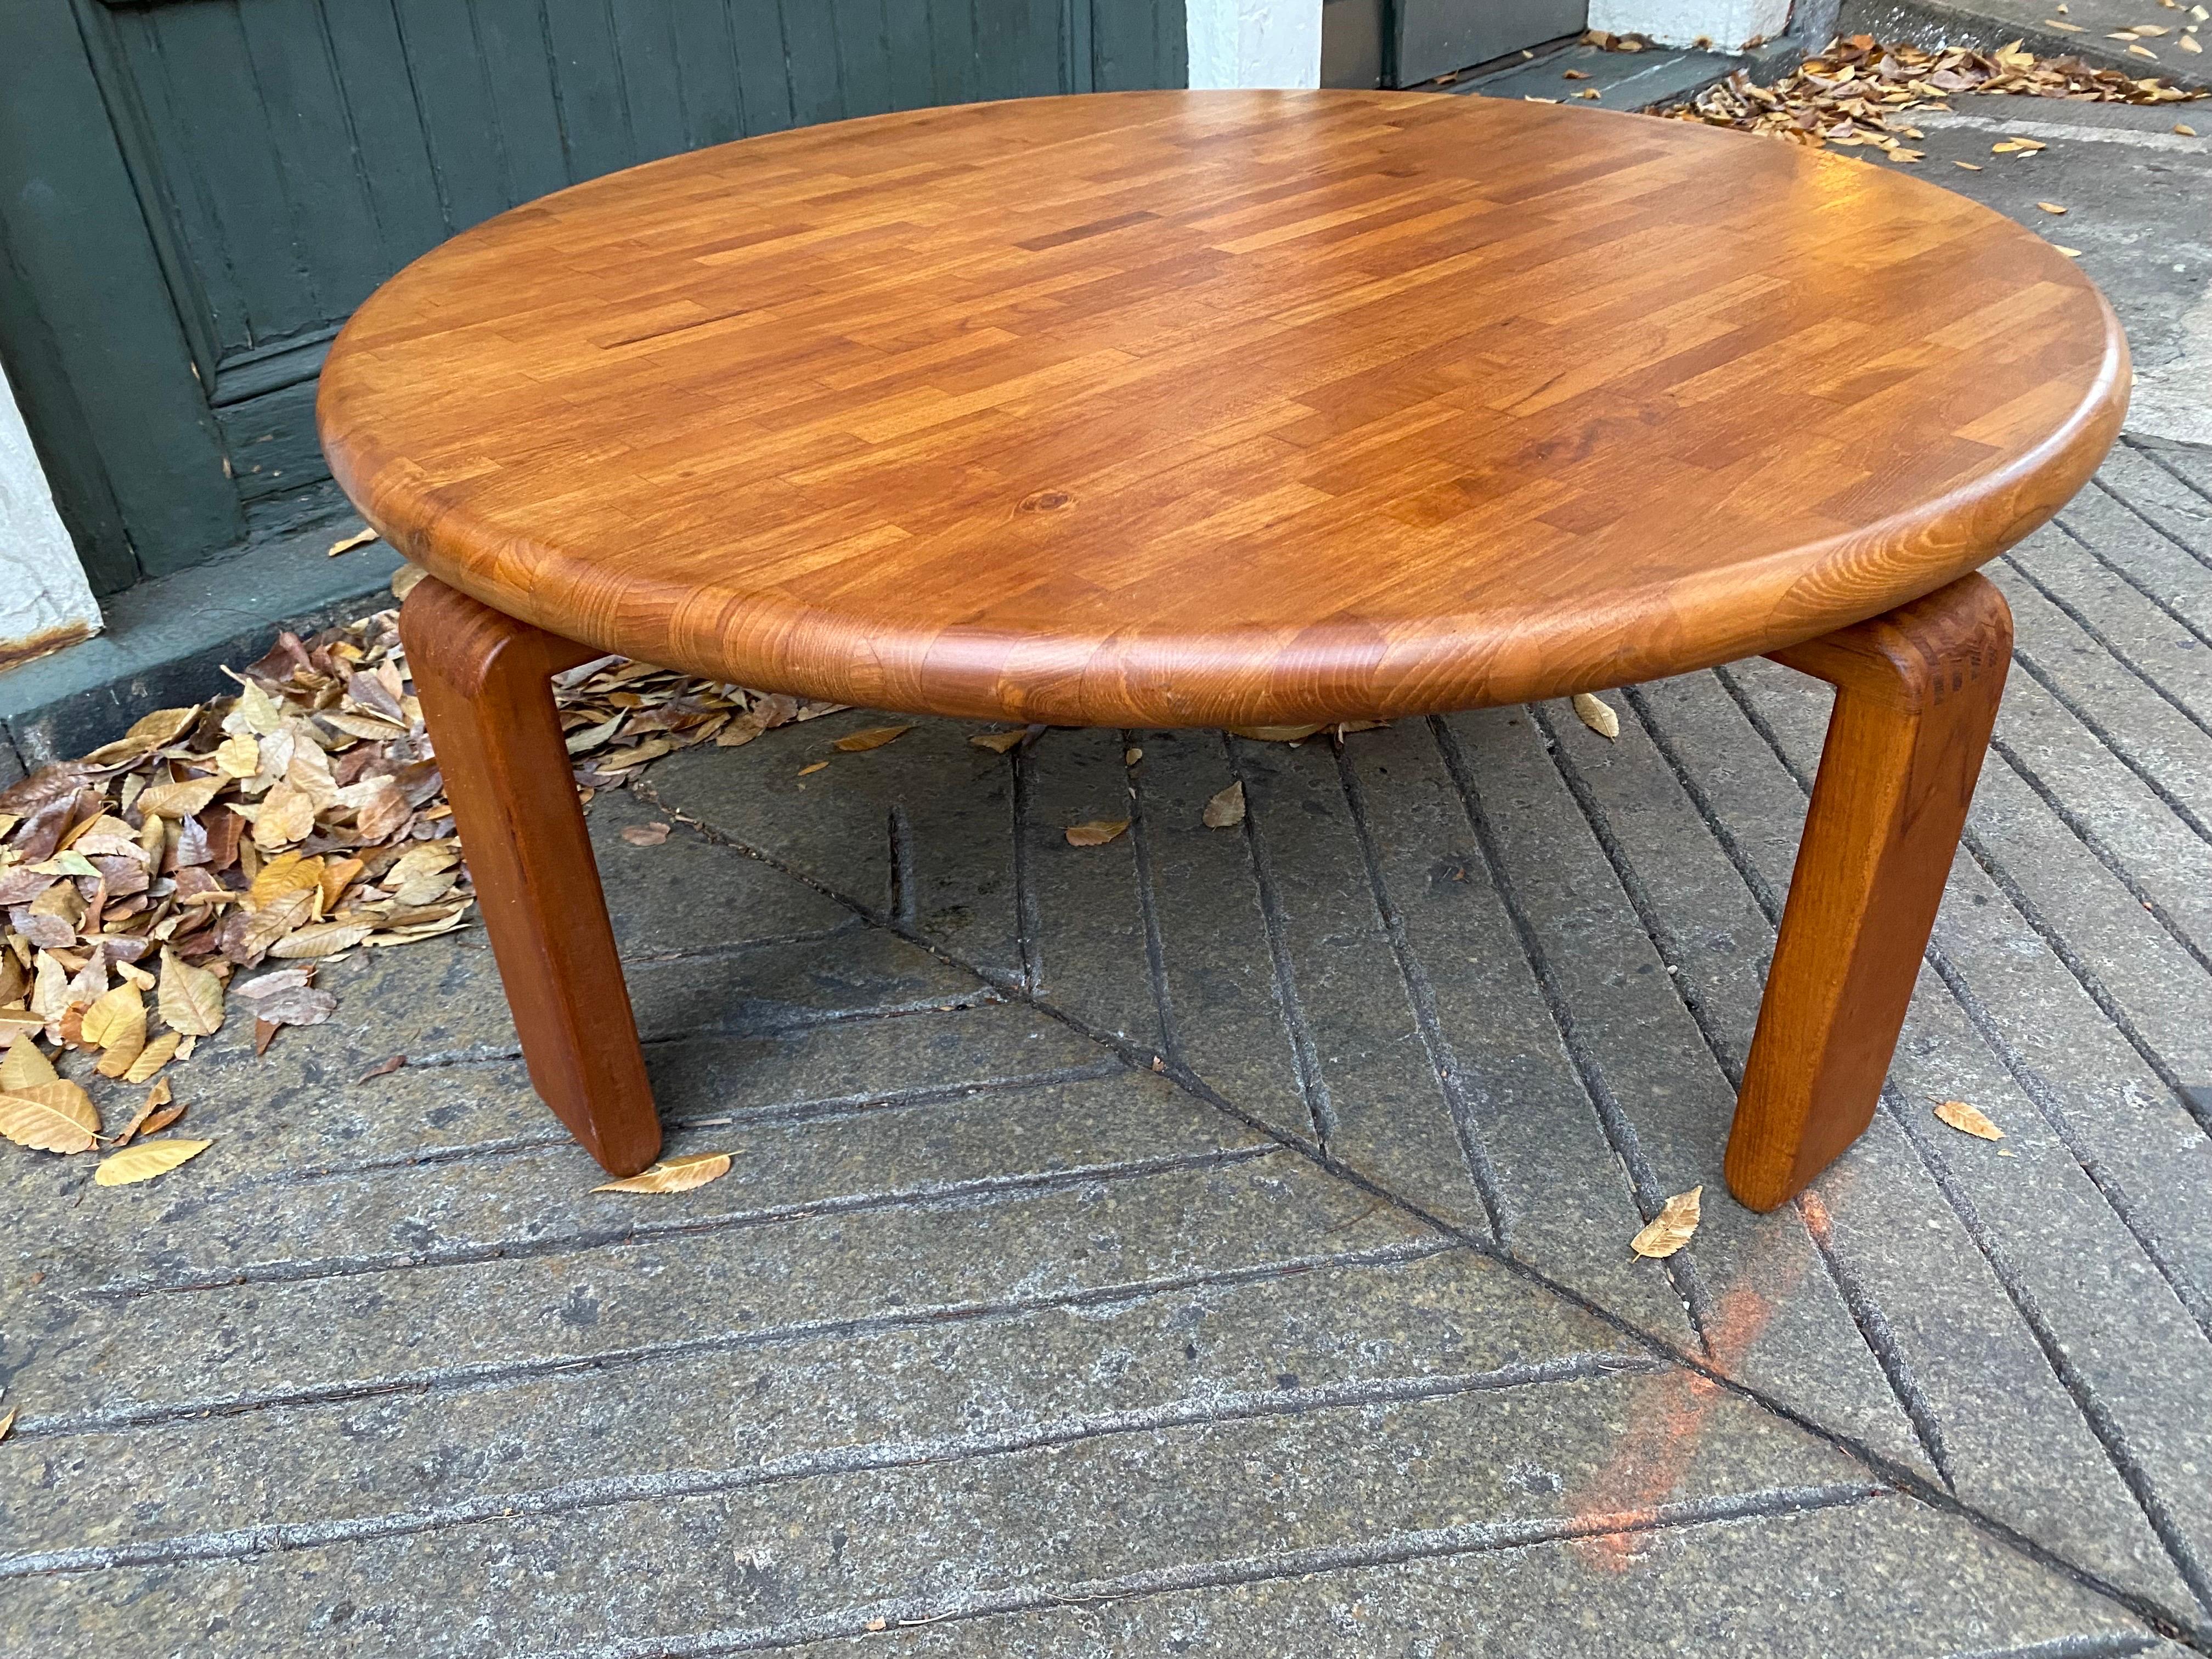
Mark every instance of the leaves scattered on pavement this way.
pixel 146 1160
pixel 1672 1228
pixel 1859 92
pixel 1097 833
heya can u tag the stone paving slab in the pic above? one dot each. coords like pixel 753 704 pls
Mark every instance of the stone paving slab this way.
pixel 1214 1240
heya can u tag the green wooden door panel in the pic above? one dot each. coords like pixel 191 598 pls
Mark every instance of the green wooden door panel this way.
pixel 92 345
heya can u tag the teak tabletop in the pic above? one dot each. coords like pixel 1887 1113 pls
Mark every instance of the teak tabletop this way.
pixel 1171 409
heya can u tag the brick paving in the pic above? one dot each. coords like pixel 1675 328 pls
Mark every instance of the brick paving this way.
pixel 1318 1335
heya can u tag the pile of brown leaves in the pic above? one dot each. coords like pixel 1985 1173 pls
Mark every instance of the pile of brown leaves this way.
pixel 1858 91
pixel 293 823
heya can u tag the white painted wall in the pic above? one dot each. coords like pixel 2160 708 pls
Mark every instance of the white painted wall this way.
pixel 1254 43
pixel 1729 24
pixel 43 597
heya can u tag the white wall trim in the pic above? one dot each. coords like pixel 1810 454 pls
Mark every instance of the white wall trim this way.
pixel 45 600
pixel 1254 43
pixel 1727 25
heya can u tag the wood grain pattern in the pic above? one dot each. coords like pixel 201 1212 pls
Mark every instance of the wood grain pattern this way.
pixel 483 679
pixel 1223 408
pixel 1916 694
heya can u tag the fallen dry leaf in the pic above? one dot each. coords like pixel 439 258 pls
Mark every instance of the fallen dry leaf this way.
pixel 2184 129
pixel 1672 1228
pixel 152 1058
pixel 1971 167
pixel 191 999
pixel 2050 207
pixel 874 736
pixel 156 1098
pixel 49 1117
pixel 347 544
pixel 1968 1120
pixel 146 1160
pixel 382 1069
pixel 646 834
pixel 1132 755
pixel 1097 833
pixel 999 742
pixel 7 1422
pixel 1597 714
pixel 808 771
pixel 674 1174
pixel 1226 809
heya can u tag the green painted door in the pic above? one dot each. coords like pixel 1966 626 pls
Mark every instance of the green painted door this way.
pixel 195 194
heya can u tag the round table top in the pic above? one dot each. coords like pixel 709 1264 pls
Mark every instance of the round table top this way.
pixel 1223 408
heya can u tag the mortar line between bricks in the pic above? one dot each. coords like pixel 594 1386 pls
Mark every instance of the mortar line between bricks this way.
pixel 2111 650
pixel 1613 1119
pixel 1148 909
pixel 1863 1306
pixel 2110 1646
pixel 1421 999
pixel 1029 935
pixel 797 1111
pixel 2030 1081
pixel 504 1373
pixel 2097 729
pixel 607 1491
pixel 739 947
pixel 1397 1549
pixel 2150 524
pixel 1290 1010
pixel 903 902
pixel 2087 1402
pixel 922 1197
pixel 2151 454
pixel 2103 854
pixel 1896 1474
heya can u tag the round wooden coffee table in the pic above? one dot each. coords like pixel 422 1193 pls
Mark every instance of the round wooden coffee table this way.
pixel 1210 409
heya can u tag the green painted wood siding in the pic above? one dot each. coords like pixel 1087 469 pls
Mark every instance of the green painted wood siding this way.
pixel 289 155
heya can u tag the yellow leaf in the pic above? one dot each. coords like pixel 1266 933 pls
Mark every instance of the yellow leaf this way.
pixel 180 800
pixel 674 1174
pixel 999 742
pixel 2184 129
pixel 1967 1119
pixel 191 999
pixel 7 1422
pixel 1226 809
pixel 322 938
pixel 110 1018
pixel 1132 755
pixel 1597 714
pixel 347 544
pixel 2188 43
pixel 1971 167
pixel 1672 1227
pixel 1097 833
pixel 805 771
pixel 146 1160
pixel 26 1066
pixel 161 727
pixel 238 757
pixel 2050 207
pixel 858 743
pixel 50 1117
pixel 156 1097
pixel 2070 252
pixel 153 1057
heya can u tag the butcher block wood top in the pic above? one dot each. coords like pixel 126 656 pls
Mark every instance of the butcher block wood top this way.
pixel 1223 408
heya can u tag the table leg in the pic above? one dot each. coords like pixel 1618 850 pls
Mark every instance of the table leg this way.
pixel 1916 693
pixel 482 678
